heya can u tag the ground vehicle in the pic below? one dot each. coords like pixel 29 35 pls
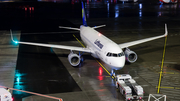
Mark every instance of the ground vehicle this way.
pixel 5 95
pixel 138 90
pixel 124 89
pixel 128 87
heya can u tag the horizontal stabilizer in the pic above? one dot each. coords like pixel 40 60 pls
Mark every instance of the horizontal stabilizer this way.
pixel 69 28
pixel 98 26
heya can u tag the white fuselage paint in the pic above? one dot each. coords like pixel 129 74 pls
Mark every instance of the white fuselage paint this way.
pixel 101 45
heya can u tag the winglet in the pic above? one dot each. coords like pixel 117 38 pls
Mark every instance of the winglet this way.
pixel 166 31
pixel 12 37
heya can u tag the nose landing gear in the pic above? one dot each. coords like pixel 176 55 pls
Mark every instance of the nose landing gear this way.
pixel 113 73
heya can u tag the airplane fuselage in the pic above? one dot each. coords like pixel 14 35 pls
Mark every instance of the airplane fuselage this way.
pixel 102 47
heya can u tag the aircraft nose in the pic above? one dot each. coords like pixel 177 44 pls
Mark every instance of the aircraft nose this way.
pixel 118 63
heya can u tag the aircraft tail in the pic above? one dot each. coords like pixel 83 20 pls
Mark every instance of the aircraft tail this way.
pixel 83 15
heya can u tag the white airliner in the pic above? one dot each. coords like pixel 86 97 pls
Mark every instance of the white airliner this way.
pixel 98 46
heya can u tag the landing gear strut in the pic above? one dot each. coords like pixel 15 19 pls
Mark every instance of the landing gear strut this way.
pixel 113 73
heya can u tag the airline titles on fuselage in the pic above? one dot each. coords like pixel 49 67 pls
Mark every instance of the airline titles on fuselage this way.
pixel 99 44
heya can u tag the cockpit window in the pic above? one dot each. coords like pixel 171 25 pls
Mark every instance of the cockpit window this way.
pixel 110 54
pixel 120 54
pixel 115 54
pixel 107 54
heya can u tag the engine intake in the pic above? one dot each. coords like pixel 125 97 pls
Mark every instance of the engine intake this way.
pixel 131 56
pixel 74 59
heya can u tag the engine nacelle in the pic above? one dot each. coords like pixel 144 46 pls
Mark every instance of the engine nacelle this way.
pixel 74 59
pixel 131 56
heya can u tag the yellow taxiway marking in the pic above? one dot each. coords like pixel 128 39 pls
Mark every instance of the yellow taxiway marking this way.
pixel 103 67
pixel 177 87
pixel 94 58
pixel 169 87
pixel 169 73
pixel 78 40
pixel 159 84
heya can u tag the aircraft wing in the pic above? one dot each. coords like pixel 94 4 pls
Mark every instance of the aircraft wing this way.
pixel 128 44
pixel 54 46
pixel 58 46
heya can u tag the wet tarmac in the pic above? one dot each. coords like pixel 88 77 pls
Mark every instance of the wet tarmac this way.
pixel 47 70
pixel 39 70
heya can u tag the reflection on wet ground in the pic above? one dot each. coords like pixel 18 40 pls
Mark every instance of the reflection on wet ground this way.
pixel 38 69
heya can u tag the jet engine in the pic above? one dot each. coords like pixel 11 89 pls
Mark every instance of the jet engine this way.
pixel 74 59
pixel 131 56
